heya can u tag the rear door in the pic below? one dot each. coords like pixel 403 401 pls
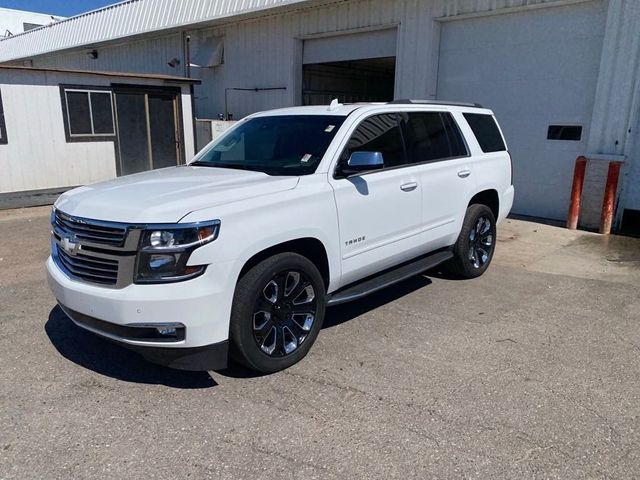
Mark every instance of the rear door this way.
pixel 379 212
pixel 436 147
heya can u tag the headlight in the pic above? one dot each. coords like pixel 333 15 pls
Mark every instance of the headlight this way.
pixel 165 249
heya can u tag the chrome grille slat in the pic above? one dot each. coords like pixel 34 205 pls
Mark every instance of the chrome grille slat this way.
pixel 91 232
pixel 84 263
pixel 83 272
pixel 90 228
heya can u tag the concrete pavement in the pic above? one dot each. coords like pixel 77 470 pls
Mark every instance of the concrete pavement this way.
pixel 531 371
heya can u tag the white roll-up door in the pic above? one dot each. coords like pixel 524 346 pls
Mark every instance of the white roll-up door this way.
pixel 535 69
pixel 354 46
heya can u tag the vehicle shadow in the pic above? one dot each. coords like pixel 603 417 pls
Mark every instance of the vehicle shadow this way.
pixel 94 353
pixel 106 358
pixel 340 314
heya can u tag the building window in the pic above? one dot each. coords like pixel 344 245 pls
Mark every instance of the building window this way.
pixel 89 114
pixel 565 132
pixel 3 127
pixel 30 26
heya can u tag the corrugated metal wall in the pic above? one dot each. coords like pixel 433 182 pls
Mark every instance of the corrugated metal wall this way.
pixel 142 56
pixel 267 52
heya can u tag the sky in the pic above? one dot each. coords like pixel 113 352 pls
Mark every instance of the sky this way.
pixel 63 8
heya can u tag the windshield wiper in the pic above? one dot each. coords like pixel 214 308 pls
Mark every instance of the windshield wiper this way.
pixel 233 166
pixel 237 166
pixel 199 164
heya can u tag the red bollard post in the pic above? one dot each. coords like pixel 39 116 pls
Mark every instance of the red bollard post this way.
pixel 608 204
pixel 576 193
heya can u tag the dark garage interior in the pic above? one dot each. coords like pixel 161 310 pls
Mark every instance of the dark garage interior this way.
pixel 369 80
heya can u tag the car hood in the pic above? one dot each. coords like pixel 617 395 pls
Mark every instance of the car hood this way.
pixel 168 194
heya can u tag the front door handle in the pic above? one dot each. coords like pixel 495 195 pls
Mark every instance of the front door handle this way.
pixel 409 187
pixel 464 173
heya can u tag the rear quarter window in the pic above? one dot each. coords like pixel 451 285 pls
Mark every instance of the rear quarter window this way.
pixel 486 130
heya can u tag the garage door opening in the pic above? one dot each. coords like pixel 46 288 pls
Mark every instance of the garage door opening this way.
pixel 370 80
pixel 352 67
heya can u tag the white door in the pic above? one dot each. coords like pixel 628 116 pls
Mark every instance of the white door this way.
pixel 535 69
pixel 436 149
pixel 380 212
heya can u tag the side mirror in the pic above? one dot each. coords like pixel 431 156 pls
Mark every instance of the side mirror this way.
pixel 364 162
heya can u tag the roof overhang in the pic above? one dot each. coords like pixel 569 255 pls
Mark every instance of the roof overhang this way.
pixel 143 76
pixel 129 19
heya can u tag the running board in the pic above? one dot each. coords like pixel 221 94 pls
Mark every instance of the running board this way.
pixel 388 278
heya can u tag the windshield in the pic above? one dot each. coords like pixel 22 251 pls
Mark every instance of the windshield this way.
pixel 278 145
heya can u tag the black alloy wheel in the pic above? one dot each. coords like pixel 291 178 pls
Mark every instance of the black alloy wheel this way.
pixel 277 313
pixel 473 252
pixel 481 240
pixel 284 313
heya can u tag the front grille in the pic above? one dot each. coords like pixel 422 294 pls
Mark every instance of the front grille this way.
pixel 91 231
pixel 95 251
pixel 90 269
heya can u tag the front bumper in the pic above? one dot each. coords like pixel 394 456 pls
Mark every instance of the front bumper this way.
pixel 202 306
pixel 206 357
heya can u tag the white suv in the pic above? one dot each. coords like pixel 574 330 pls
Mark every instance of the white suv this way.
pixel 290 211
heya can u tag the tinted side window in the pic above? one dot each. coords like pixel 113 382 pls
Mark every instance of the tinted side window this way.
pixel 486 131
pixel 380 133
pixel 3 128
pixel 458 147
pixel 431 136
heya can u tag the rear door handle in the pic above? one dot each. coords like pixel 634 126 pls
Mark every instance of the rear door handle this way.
pixel 464 173
pixel 409 187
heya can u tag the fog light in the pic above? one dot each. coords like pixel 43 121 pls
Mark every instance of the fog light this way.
pixel 167 331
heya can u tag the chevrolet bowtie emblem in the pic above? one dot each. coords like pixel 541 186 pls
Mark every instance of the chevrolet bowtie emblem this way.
pixel 70 244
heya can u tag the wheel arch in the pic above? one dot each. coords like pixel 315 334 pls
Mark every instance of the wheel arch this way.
pixel 489 198
pixel 309 247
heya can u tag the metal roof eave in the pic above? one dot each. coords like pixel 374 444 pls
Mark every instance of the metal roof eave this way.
pixel 144 76
pixel 131 19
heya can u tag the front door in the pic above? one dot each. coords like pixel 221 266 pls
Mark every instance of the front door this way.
pixel 148 133
pixel 379 212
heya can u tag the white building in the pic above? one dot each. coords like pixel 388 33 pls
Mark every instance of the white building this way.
pixel 13 22
pixel 563 76
pixel 62 128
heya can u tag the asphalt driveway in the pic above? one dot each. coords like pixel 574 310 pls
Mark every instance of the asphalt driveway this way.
pixel 532 371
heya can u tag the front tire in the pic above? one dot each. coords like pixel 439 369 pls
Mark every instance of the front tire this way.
pixel 473 252
pixel 278 310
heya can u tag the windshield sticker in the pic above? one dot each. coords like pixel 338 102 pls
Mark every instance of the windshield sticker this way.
pixel 330 128
pixel 306 158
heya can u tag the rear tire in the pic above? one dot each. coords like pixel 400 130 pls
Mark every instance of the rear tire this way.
pixel 278 310
pixel 473 252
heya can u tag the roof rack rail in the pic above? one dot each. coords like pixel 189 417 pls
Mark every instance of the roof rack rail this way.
pixel 434 102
